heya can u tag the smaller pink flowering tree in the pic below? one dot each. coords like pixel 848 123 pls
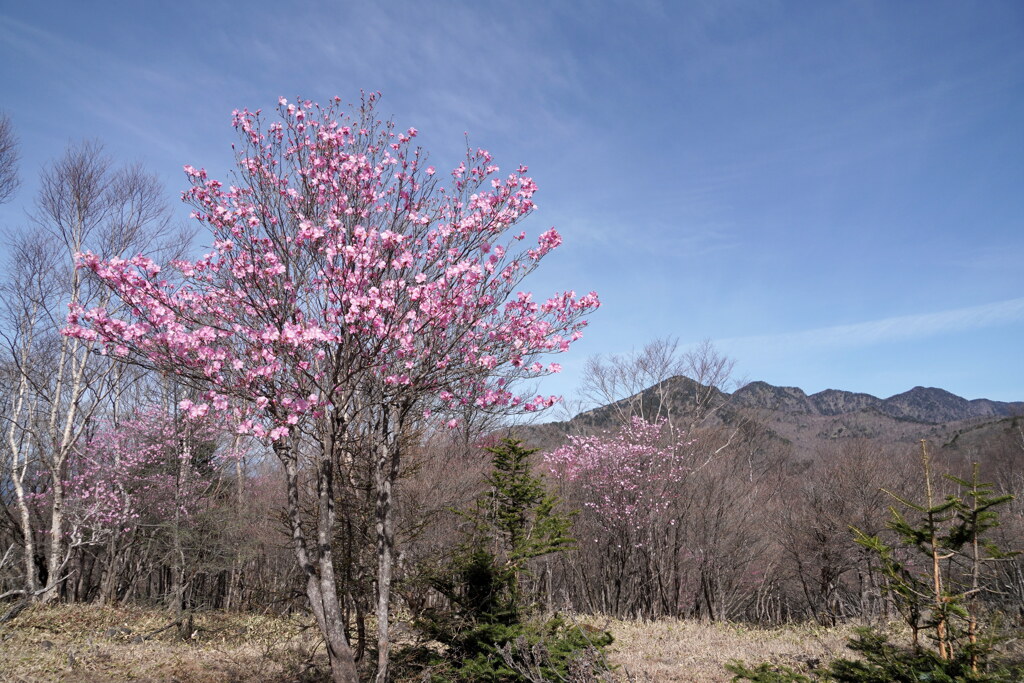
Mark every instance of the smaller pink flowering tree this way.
pixel 144 477
pixel 132 472
pixel 627 477
pixel 628 483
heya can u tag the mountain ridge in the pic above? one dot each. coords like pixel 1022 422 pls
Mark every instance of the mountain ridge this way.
pixel 928 405
pixel 792 416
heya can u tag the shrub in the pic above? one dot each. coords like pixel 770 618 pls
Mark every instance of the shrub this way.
pixel 485 630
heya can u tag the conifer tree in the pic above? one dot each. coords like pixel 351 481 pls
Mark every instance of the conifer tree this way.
pixel 949 534
pixel 936 573
pixel 487 615
pixel 519 517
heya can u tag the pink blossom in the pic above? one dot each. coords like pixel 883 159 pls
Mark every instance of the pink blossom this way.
pixel 366 269
pixel 629 474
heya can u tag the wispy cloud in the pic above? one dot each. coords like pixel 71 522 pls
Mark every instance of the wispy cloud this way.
pixel 885 330
pixel 988 258
pixel 450 68
pixel 75 61
pixel 644 240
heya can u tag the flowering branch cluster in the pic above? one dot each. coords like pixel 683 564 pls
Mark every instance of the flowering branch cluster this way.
pixel 627 476
pixel 131 472
pixel 339 262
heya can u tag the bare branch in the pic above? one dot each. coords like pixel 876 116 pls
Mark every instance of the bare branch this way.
pixel 9 156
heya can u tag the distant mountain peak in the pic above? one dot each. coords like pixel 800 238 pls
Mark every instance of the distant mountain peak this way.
pixel 929 405
pixel 928 391
pixel 803 421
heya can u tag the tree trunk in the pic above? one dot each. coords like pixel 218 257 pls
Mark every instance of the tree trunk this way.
pixel 25 518
pixel 321 587
pixel 55 563
pixel 16 437
pixel 385 473
pixel 940 606
pixel 110 572
pixel 385 541
pixel 177 596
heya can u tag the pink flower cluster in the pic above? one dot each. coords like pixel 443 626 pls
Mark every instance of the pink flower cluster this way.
pixel 627 476
pixel 339 260
pixel 128 473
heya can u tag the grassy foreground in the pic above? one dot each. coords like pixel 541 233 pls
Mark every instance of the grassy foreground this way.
pixel 696 652
pixel 91 643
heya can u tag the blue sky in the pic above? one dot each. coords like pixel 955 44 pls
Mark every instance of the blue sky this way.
pixel 832 192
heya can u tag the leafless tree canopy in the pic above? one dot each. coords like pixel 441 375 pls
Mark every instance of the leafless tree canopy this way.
pixel 9 156
pixel 621 380
pixel 85 201
pixel 57 387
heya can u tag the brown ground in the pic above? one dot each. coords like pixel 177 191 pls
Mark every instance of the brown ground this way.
pixel 89 643
pixel 79 643
pixel 696 652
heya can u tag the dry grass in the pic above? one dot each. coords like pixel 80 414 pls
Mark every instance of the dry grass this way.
pixel 90 643
pixel 666 651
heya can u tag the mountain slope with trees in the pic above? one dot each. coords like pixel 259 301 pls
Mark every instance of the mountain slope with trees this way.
pixel 805 421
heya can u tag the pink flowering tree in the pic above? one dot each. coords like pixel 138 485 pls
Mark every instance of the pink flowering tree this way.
pixel 349 294
pixel 629 476
pixel 628 483
pixel 148 470
pixel 130 472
